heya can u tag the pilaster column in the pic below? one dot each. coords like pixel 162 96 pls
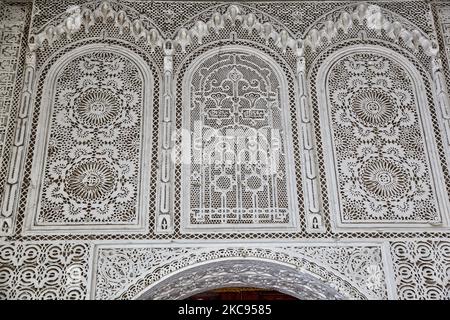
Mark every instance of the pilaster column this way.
pixel 164 216
pixel 313 211
pixel 12 185
pixel 442 99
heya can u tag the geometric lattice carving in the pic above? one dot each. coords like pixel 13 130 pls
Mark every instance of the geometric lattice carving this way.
pixel 93 159
pixel 236 112
pixel 43 271
pixel 422 269
pixel 354 271
pixel 384 172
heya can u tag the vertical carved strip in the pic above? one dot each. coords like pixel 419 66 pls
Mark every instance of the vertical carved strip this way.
pixel 164 218
pixel 441 94
pixel 314 215
pixel 12 187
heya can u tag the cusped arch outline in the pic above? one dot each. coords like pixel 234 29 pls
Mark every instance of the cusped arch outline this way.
pixel 422 105
pixel 43 131
pixel 75 18
pixel 325 29
pixel 192 20
pixel 372 15
pixel 286 122
pixel 346 7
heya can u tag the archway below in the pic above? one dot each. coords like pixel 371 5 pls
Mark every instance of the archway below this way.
pixel 241 273
pixel 241 294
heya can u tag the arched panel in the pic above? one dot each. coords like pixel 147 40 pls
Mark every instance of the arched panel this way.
pixel 91 162
pixel 237 162
pixel 381 158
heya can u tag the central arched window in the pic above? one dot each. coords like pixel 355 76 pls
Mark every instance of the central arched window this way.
pixel 236 172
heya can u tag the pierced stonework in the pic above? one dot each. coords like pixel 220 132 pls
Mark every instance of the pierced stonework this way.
pixel 238 170
pixel 322 185
pixel 91 180
pixel 384 179
pixel 373 107
pixel 95 145
pixel 97 108
pixel 383 172
pixel 35 271
pixel 422 269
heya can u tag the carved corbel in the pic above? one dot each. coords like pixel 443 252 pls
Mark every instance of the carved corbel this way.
pixel 183 39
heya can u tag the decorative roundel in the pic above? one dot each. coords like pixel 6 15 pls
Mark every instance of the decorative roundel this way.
pixel 91 180
pixel 97 108
pixel 384 179
pixel 373 107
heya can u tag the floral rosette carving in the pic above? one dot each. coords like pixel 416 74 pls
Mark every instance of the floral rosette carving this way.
pixel 97 186
pixel 94 147
pixel 384 182
pixel 382 166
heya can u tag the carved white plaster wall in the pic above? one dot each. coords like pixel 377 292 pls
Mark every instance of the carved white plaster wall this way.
pixel 12 30
pixel 422 269
pixel 36 270
pixel 398 254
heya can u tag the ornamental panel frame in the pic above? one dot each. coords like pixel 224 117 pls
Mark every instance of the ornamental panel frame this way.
pixel 141 206
pixel 186 225
pixel 160 270
pixel 432 157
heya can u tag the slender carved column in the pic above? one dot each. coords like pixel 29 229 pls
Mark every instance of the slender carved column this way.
pixel 164 218
pixel 441 94
pixel 440 84
pixel 313 212
pixel 12 186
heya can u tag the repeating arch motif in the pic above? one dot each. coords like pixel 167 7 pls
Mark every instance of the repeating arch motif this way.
pixel 396 190
pixel 371 15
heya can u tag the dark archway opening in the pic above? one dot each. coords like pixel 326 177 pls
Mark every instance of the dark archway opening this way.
pixel 241 294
